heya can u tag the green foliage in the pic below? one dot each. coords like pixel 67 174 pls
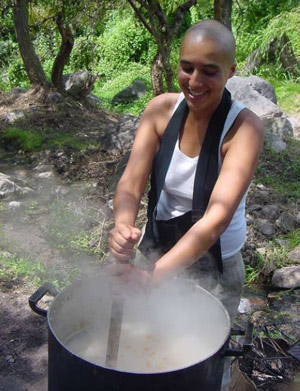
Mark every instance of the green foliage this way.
pixel 14 267
pixel 124 41
pixel 106 90
pixel 288 94
pixel 281 171
pixel 260 22
pixel 25 140
pixel 15 139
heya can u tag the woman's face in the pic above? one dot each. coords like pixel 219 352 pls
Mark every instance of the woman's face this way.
pixel 204 68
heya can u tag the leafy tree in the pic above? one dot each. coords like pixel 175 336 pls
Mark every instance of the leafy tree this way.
pixel 67 16
pixel 31 61
pixel 163 20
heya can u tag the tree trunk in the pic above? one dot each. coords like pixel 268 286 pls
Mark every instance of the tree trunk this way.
pixel 67 42
pixel 168 71
pixel 31 61
pixel 222 11
pixel 157 75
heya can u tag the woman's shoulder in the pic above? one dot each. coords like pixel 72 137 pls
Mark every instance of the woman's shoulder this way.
pixel 159 110
pixel 163 102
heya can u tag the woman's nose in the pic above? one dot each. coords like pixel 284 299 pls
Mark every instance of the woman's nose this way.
pixel 196 80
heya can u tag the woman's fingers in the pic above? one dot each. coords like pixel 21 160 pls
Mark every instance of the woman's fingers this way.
pixel 122 240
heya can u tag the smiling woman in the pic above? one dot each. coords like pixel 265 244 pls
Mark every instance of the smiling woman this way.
pixel 202 150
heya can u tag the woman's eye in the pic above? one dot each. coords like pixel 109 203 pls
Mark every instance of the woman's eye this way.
pixel 188 70
pixel 210 73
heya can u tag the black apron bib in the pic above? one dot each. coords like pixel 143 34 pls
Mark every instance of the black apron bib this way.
pixel 161 235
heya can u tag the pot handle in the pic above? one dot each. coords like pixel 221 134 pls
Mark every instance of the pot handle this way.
pixel 36 297
pixel 247 345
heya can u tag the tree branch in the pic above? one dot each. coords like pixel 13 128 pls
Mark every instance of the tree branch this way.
pixel 179 15
pixel 140 17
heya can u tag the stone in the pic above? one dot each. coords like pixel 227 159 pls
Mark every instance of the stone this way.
pixel 263 87
pixel 242 90
pixel 286 277
pixel 6 186
pixel 270 212
pixel 295 125
pixel 14 205
pixel 135 91
pixel 14 116
pixel 249 304
pixel 53 97
pixel 275 143
pixel 279 126
pixel 265 227
pixel 47 174
pixel 287 222
pixel 254 208
pixel 93 100
pixel 294 255
pixel 79 84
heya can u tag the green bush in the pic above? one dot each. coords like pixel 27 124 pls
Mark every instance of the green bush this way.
pixel 22 139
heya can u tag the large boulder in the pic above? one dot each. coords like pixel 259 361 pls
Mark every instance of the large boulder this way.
pixel 257 94
pixel 135 91
pixel 79 84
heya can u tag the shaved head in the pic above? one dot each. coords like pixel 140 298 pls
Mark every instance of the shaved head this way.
pixel 214 31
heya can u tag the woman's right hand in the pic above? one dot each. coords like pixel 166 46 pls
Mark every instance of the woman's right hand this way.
pixel 122 239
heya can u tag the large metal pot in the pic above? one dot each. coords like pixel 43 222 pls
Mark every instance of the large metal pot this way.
pixel 175 338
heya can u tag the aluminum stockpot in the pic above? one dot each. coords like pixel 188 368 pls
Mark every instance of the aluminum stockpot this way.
pixel 174 338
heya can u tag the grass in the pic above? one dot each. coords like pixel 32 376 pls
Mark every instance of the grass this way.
pixel 14 268
pixel 281 171
pixel 28 141
pixel 288 95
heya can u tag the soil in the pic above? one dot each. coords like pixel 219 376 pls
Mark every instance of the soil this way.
pixel 23 337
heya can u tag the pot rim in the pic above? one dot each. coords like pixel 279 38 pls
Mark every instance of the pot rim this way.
pixel 73 285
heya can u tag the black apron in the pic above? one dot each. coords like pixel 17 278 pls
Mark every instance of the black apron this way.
pixel 161 235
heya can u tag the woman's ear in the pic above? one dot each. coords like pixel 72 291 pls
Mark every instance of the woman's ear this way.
pixel 232 70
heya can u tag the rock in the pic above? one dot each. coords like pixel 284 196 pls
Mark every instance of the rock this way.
pixel 281 127
pixel 263 87
pixel 135 91
pixel 62 190
pixel 275 143
pixel 53 97
pixel 42 167
pixel 14 205
pixel 242 90
pixel 254 208
pixel 79 84
pixel 120 136
pixel 287 222
pixel 270 212
pixel 249 304
pixel 47 174
pixel 93 100
pixel 265 227
pixel 295 125
pixel 14 116
pixel 294 255
pixel 7 186
pixel 284 242
pixel 286 277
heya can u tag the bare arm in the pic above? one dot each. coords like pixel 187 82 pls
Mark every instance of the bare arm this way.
pixel 241 151
pixel 132 184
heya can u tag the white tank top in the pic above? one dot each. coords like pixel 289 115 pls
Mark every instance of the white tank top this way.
pixel 177 193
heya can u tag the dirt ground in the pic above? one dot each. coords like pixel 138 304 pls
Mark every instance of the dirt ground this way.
pixel 23 336
pixel 23 342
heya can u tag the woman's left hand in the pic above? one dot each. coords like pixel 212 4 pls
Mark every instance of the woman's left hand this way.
pixel 128 280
